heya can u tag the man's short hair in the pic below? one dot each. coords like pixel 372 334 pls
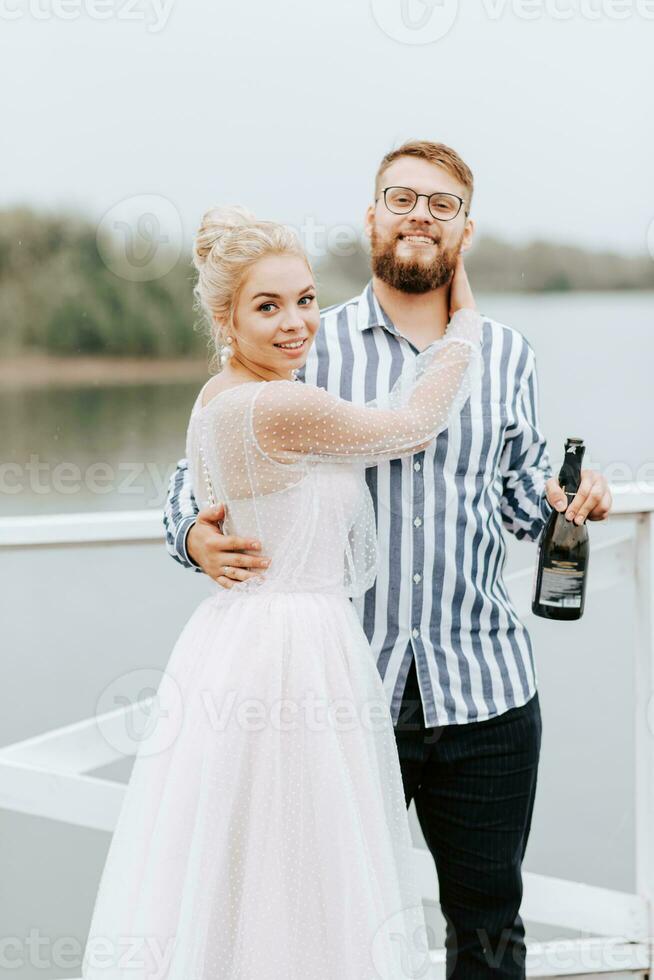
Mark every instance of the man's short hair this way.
pixel 438 153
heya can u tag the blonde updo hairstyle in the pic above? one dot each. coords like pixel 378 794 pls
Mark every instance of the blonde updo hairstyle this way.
pixel 228 243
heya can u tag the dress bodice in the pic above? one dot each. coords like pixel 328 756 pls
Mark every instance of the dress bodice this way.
pixel 315 521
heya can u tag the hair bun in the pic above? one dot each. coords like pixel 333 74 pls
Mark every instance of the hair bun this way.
pixel 216 224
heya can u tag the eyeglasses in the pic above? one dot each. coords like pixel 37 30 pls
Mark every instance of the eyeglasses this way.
pixel 402 200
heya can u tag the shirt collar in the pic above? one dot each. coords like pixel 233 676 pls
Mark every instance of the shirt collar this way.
pixel 370 312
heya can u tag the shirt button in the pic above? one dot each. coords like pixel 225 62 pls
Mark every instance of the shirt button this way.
pixel 417 522
pixel 416 632
pixel 416 466
pixel 417 577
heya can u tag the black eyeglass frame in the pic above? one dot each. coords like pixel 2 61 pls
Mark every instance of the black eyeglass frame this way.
pixel 397 187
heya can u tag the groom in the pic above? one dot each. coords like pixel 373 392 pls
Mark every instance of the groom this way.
pixel 454 658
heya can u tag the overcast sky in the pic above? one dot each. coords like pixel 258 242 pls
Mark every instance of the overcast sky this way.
pixel 287 106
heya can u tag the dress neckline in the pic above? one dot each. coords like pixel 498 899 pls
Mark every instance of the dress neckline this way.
pixel 242 384
pixel 224 392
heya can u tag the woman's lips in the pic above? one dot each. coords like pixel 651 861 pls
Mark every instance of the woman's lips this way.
pixel 293 351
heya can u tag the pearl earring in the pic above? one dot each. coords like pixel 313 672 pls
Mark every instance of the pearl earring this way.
pixel 228 340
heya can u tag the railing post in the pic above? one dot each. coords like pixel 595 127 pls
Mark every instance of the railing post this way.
pixel 644 679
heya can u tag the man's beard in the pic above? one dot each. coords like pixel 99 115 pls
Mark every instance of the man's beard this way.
pixel 412 276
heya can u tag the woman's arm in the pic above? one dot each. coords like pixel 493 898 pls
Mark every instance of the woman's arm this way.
pixel 292 420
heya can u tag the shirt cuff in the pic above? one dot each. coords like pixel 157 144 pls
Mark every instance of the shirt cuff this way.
pixel 181 535
pixel 545 506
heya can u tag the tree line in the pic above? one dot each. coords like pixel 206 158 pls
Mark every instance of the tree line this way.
pixel 60 295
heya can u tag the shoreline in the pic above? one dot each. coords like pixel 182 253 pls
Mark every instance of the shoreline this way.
pixel 46 370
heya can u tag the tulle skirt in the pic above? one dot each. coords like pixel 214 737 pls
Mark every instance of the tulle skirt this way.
pixel 263 833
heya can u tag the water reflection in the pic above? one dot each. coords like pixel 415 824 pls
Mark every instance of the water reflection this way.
pixel 92 448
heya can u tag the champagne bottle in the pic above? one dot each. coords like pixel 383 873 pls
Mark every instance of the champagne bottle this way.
pixel 563 551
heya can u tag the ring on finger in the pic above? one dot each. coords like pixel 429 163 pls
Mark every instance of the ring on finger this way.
pixel 228 569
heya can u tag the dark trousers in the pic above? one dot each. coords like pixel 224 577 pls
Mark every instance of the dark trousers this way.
pixel 474 786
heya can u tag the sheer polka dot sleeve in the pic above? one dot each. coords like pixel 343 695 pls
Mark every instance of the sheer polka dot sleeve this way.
pixel 292 420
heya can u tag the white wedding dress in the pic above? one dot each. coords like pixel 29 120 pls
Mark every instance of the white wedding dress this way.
pixel 264 833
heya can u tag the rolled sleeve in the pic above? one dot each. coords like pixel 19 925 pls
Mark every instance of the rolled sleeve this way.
pixel 180 514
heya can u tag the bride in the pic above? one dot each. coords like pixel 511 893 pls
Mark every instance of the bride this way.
pixel 263 833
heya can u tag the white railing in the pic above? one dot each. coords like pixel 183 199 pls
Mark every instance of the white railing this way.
pixel 48 775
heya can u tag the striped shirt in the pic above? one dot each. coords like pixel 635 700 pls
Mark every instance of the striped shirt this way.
pixel 439 595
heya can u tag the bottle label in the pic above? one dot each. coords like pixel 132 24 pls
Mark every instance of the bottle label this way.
pixel 561 585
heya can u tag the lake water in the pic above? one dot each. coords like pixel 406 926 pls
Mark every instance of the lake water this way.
pixel 114 447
